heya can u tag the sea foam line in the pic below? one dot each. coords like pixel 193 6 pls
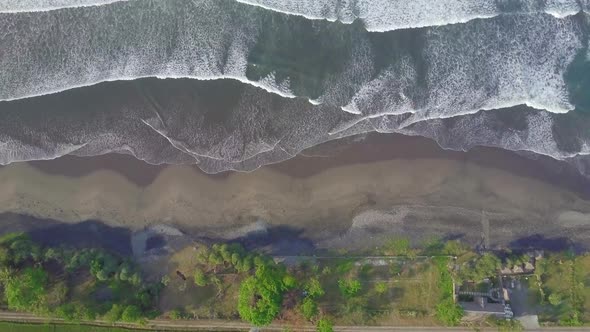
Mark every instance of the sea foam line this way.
pixel 28 6
pixel 374 21
pixel 257 84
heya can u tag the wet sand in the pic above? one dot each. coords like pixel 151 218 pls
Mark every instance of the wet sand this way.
pixel 356 197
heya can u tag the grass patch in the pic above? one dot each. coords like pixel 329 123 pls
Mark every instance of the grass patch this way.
pixel 23 327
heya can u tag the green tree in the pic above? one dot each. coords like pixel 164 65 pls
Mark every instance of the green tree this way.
pixel 289 281
pixel 114 314
pixel 325 325
pixel 554 299
pixel 5 256
pixel 131 314
pixel 175 314
pixel 261 295
pixel 27 292
pixel 313 287
pixel 448 312
pixel 200 277
pixel 66 311
pixel 225 253
pixel 236 259
pixel 215 258
pixel 57 294
pixel 349 287
pixel 125 271
pixel 309 308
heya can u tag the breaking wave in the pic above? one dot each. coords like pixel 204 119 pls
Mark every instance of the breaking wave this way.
pixel 226 125
pixel 241 86
pixel 376 15
pixel 387 15
pixel 18 6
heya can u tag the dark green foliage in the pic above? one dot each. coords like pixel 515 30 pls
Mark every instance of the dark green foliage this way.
pixel 261 295
pixel 349 287
pixel 18 247
pixel 28 286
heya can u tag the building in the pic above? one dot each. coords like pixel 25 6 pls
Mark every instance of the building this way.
pixel 481 307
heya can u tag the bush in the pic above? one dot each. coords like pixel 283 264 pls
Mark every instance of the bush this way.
pixel 397 247
pixel 200 278
pixel 349 287
pixel 309 308
pixel 448 312
pixel 131 314
pixel 325 325
pixel 454 248
pixel 114 314
pixel 261 295
pixel 27 292
pixel 313 287
pixel 175 314
pixel 554 299
pixel 381 287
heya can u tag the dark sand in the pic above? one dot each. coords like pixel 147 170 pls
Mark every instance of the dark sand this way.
pixel 346 195
pixel 373 148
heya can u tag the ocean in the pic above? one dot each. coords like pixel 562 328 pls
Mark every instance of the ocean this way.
pixel 238 84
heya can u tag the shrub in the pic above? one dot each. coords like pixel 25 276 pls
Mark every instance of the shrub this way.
pixel 27 292
pixel 554 299
pixel 448 312
pixel 313 287
pixel 349 287
pixel 325 325
pixel 200 277
pixel 381 287
pixel 175 314
pixel 261 295
pixel 114 314
pixel 131 314
pixel 309 308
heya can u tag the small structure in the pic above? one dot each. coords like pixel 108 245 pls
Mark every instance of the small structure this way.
pixel 481 307
pixel 505 270
pixel 517 269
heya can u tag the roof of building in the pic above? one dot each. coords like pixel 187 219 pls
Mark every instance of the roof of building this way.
pixel 488 308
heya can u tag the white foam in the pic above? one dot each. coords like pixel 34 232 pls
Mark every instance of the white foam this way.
pixel 20 6
pixel 387 15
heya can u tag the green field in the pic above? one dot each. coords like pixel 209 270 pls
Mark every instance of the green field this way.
pixel 22 327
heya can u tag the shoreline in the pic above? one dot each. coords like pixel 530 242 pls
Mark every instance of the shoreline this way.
pixel 373 148
pixel 368 191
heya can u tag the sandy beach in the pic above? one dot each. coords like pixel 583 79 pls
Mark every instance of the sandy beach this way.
pixel 355 197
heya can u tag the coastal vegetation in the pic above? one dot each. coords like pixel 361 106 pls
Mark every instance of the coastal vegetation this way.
pixel 73 284
pixel 562 281
pixel 397 284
